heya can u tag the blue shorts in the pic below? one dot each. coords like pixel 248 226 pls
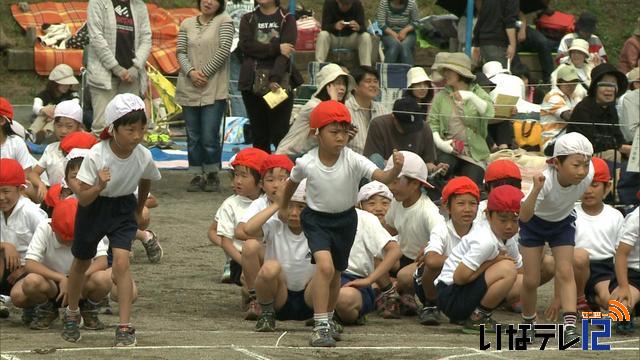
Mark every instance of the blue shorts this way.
pixel 295 308
pixel 331 232
pixel 633 277
pixel 459 302
pixel 536 232
pixel 368 296
pixel 417 285
pixel 599 270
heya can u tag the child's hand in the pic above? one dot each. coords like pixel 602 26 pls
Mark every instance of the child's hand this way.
pixel 42 191
pixel 551 314
pixel 359 283
pixel 538 182
pixel 104 176
pixel 621 294
pixel 398 160
pixel 63 291
pixel 353 131
pixel 11 257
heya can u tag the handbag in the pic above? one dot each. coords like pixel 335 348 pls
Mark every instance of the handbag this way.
pixel 528 135
pixel 261 81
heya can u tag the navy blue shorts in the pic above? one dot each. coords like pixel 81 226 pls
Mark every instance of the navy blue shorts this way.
pixel 5 286
pixel 459 302
pixel 114 218
pixel 536 232
pixel 295 308
pixel 332 232
pixel 368 296
pixel 235 269
pixel 404 261
pixel 599 270
pixel 417 285
pixel 634 280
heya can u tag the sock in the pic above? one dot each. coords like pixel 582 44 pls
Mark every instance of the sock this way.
pixel 387 289
pixel 321 320
pixel 126 325
pixel 267 307
pixel 94 303
pixel 73 312
pixel 330 313
pixel 529 319
pixel 485 312
pixel 252 294
pixel 147 235
pixel 570 318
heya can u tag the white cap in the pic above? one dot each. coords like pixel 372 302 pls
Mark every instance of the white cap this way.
pixel 70 109
pixel 416 75
pixel 19 130
pixel 121 105
pixel 63 74
pixel 414 167
pixel 77 153
pixel 300 194
pixel 374 188
pixel 572 143
pixel 580 45
pixel 493 68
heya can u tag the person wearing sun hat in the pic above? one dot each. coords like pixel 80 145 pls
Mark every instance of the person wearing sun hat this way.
pixel 585 29
pixel 630 52
pixel 583 62
pixel 558 103
pixel 459 118
pixel 419 87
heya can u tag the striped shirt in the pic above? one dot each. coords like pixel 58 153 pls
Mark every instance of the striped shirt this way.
pixel 225 32
pixel 553 105
pixel 391 17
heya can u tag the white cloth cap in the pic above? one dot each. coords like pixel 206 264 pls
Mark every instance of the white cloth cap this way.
pixel 20 131
pixel 77 153
pixel 70 109
pixel 580 45
pixel 493 68
pixel 121 105
pixel 63 74
pixel 374 188
pixel 414 167
pixel 300 194
pixel 572 143
pixel 416 75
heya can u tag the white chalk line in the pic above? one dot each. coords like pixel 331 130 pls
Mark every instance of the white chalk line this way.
pixel 280 338
pixel 250 354
pixel 9 357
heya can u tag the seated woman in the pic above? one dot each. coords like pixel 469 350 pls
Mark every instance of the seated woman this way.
pixel 397 19
pixel 580 59
pixel 459 117
pixel 419 87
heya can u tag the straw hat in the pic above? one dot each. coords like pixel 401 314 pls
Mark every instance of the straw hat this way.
pixel 416 75
pixel 634 75
pixel 458 62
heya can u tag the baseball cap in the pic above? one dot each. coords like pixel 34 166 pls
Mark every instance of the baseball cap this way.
pixel 502 169
pixel 460 185
pixel 11 173
pixel 368 190
pixel 121 105
pixel 63 218
pixel 251 158
pixel 567 73
pixel 300 194
pixel 6 109
pixel 63 74
pixel 414 167
pixel 408 113
pixel 601 170
pixel 505 198
pixel 328 112
pixel 70 109
pixel 276 161
pixel 77 139
pixel 572 143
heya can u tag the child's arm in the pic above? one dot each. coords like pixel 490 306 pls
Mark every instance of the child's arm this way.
pixel 98 264
pixel 143 192
pixel 253 227
pixel 622 293
pixel 529 205
pixel 289 188
pixel 464 275
pixel 213 234
pixel 11 256
pixel 39 187
pixel 227 245
pixel 392 254
pixel 434 261
pixel 35 267
pixel 388 176
pixel 88 193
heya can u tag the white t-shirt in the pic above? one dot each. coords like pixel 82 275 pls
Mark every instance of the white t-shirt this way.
pixel 371 238
pixel 598 234
pixel 291 251
pixel 47 250
pixel 125 173
pixel 477 247
pixel 443 239
pixel 18 229
pixel 630 235
pixel 332 189
pixel 228 217
pixel 53 162
pixel 256 206
pixel 15 148
pixel 480 215
pixel 555 202
pixel 414 224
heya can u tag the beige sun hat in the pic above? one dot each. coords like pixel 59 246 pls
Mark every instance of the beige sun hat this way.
pixel 580 45
pixel 458 62
pixel 440 58
pixel 63 74
pixel 416 75
pixel 634 75
pixel 330 73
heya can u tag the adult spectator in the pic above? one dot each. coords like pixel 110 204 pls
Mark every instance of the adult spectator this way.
pixel 236 9
pixel 362 106
pixel 333 84
pixel 532 40
pixel 267 38
pixel 630 53
pixel 120 42
pixel 458 117
pixel 203 47
pixel 583 62
pixel 419 88
pixel 585 29
pixel 558 104
pixel 494 36
pixel 398 19
pixel 343 26
pixel 629 106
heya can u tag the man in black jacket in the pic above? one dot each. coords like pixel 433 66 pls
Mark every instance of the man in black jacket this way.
pixel 343 27
pixel 494 36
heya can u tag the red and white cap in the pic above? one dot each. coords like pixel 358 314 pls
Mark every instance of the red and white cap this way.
pixel 70 109
pixel 374 188
pixel 414 167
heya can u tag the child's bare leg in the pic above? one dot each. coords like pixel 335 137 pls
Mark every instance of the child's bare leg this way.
pixel 271 287
pixel 252 254
pixel 113 295
pixel 334 291
pixel 349 304
pixel 548 269
pixel 405 280
pixel 75 282
pixel 428 277
pixel 32 290
pixel 581 270
pixel 321 281
pixel 97 286
pixel 500 278
pixel 514 294
pixel 563 256
pixel 121 274
pixel 531 258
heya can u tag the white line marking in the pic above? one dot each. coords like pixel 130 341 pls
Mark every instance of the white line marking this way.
pixel 621 341
pixel 9 357
pixel 280 338
pixel 250 354
pixel 475 352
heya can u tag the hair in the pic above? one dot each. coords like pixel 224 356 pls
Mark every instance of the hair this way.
pixel 323 95
pixel 270 171
pixel 72 164
pixel 255 173
pixel 6 128
pixel 131 118
pixel 506 181
pixel 220 10
pixel 362 70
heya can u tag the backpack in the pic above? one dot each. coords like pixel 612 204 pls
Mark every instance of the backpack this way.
pixel 556 25
pixel 528 135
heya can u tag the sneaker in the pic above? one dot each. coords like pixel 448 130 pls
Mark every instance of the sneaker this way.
pixel 336 330
pixel 254 311
pixel 212 183
pixel 125 336
pixel 430 315
pixel 4 309
pixel 71 326
pixel 28 314
pixel 105 307
pixel 153 248
pixel 44 316
pixel 408 306
pixel 225 278
pixel 266 322
pixel 570 334
pixel 322 338
pixel 196 184
pixel 391 306
pixel 472 324
pixel 89 313
pixel 625 327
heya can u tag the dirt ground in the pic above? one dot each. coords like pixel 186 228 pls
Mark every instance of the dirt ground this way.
pixel 184 312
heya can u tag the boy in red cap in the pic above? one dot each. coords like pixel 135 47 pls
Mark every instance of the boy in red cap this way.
pixel 333 173
pixel 481 271
pixel 48 261
pixel 460 196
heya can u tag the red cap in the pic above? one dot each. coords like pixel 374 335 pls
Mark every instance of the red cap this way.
pixel 53 195
pixel 78 139
pixel 505 198
pixel 6 109
pixel 251 158
pixel 11 173
pixel 502 169
pixel 601 168
pixel 328 112
pixel 276 161
pixel 460 185
pixel 63 218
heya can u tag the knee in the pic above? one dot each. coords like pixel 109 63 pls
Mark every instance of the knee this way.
pixel 365 38
pixel 580 259
pixel 120 267
pixel 33 283
pixel 101 280
pixel 325 269
pixel 270 270
pixel 347 298
pixel 564 271
pixel 251 248
pixel 507 269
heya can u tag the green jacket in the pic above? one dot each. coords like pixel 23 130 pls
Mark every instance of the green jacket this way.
pixel 476 123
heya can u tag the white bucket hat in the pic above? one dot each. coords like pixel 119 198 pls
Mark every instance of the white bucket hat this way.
pixel 414 167
pixel 493 68
pixel 70 109
pixel 580 45
pixel 416 75
pixel 330 73
pixel 63 74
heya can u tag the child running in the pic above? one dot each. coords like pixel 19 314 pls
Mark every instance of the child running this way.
pixel 329 221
